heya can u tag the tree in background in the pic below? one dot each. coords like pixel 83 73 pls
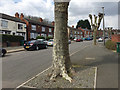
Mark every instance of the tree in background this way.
pixel 95 26
pixel 83 24
pixel 61 65
pixel 35 18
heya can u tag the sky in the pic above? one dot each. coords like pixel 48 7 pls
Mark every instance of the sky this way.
pixel 78 10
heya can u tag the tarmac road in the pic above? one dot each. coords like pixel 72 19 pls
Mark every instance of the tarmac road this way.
pixel 20 66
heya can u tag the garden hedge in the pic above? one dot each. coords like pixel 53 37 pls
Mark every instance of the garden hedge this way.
pixel 11 38
pixel 110 45
pixel 40 37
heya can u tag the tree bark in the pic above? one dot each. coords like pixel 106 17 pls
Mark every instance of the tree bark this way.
pixel 94 37
pixel 61 60
pixel 94 28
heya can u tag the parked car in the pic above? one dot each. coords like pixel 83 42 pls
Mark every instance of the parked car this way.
pixel 35 45
pixel 2 52
pixel 69 41
pixel 75 39
pixel 79 40
pixel 43 40
pixel 84 38
pixel 100 40
pixel 89 38
pixel 50 42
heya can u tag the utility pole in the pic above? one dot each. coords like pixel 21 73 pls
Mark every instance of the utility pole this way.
pixel 103 27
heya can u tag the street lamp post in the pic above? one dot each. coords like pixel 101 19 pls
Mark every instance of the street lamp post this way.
pixel 103 27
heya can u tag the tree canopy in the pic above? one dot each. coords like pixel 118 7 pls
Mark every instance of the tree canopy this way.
pixel 83 24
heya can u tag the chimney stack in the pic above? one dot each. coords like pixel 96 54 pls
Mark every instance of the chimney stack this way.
pixel 41 20
pixel 21 16
pixel 72 26
pixel 53 23
pixel 79 28
pixel 16 15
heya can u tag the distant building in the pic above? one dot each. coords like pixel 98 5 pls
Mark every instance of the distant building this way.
pixel 12 25
pixel 86 32
pixel 74 33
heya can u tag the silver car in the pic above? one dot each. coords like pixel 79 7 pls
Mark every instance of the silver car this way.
pixel 50 42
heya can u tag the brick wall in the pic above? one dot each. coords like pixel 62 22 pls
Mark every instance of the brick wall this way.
pixel 11 44
pixel 115 38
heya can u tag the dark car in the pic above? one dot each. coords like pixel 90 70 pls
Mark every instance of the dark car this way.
pixel 79 40
pixel 2 52
pixel 89 38
pixel 35 45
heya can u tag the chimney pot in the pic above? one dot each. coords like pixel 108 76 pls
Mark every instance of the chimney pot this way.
pixel 16 15
pixel 21 16
pixel 72 26
pixel 53 23
pixel 41 20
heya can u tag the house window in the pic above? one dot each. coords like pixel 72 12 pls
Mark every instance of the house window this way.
pixel 0 32
pixel 50 35
pixel 34 27
pixel 50 30
pixel 43 29
pixel 81 33
pixel 33 35
pixel 7 32
pixel 20 26
pixel 78 33
pixel 4 24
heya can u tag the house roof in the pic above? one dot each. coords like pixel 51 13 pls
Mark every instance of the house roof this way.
pixel 86 30
pixel 38 22
pixel 74 28
pixel 8 17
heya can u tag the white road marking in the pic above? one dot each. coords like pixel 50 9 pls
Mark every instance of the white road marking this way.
pixel 28 87
pixel 78 50
pixel 44 71
pixel 32 78
pixel 95 80
pixel 88 58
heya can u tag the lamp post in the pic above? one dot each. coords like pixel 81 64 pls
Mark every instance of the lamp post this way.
pixel 103 27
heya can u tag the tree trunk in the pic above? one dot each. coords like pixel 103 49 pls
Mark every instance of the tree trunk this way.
pixel 94 34
pixel 61 59
pixel 109 34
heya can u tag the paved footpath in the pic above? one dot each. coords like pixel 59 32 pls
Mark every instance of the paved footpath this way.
pixel 104 59
pixel 14 49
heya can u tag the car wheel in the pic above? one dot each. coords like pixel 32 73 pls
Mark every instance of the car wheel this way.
pixel 2 54
pixel 46 46
pixel 37 48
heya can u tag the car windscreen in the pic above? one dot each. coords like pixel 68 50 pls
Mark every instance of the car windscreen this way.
pixel 50 40
pixel 33 41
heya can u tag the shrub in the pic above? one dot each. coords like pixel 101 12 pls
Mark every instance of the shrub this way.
pixel 110 45
pixel 47 38
pixel 11 38
pixel 40 37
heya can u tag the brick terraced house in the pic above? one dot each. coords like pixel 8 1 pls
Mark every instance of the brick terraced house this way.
pixel 12 25
pixel 36 28
pixel 74 33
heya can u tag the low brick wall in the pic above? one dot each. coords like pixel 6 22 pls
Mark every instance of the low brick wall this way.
pixel 115 38
pixel 11 44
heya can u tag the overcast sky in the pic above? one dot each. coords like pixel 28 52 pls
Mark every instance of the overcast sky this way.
pixel 78 9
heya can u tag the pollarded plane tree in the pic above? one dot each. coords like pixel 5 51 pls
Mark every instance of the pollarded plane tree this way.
pixel 96 24
pixel 61 65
